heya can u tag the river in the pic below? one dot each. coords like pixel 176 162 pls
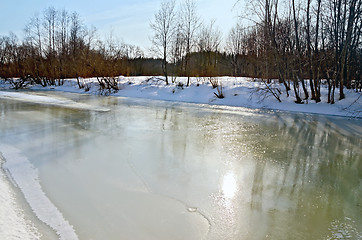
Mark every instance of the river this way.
pixel 119 168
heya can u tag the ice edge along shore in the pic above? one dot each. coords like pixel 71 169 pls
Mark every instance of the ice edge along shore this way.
pixel 25 177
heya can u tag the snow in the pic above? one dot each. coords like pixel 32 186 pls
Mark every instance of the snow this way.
pixel 34 98
pixel 26 178
pixel 13 224
pixel 63 102
pixel 238 92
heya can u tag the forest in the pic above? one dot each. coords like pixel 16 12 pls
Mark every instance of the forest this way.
pixel 301 43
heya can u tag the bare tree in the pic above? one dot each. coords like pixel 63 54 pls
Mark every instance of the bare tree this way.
pixel 235 46
pixel 299 71
pixel 34 39
pixel 164 28
pixel 33 34
pixel 76 31
pixel 50 24
pixel 177 51
pixel 209 38
pixel 63 31
pixel 313 51
pixel 344 25
pixel 62 35
pixel 8 55
pixel 50 16
pixel 190 23
pixel 272 37
pixel 208 44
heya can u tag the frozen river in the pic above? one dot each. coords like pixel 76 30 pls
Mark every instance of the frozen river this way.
pixel 117 168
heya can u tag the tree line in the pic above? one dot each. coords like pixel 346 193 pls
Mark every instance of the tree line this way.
pixel 57 45
pixel 294 40
pixel 318 40
pixel 310 39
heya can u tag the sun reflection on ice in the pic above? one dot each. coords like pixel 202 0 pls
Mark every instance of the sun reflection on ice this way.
pixel 228 191
pixel 229 186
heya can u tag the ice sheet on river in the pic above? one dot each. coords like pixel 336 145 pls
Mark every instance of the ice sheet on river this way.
pixel 26 178
pixel 154 214
pixel 49 100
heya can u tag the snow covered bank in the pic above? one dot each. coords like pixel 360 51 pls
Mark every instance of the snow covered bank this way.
pixel 26 178
pixel 238 92
pixel 63 102
pixel 13 224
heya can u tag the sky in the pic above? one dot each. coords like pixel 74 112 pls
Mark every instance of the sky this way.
pixel 126 20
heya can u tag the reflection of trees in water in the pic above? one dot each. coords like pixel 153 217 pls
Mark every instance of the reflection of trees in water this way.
pixel 318 152
pixel 307 169
pixel 302 165
pixel 317 167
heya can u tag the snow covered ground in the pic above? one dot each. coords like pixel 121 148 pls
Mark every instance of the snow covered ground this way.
pixel 238 92
pixel 13 224
pixel 58 101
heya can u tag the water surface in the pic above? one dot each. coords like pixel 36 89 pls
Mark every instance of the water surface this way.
pixel 160 170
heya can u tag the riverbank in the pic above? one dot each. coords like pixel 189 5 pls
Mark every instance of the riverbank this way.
pixel 13 224
pixel 237 92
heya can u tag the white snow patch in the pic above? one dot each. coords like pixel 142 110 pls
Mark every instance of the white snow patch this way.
pixel 33 98
pixel 13 225
pixel 26 177
pixel 62 102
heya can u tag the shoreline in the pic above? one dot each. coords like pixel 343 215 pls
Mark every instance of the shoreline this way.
pixel 14 222
pixel 238 92
pixel 22 174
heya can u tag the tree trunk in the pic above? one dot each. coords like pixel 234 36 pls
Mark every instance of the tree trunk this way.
pixel 300 76
pixel 310 62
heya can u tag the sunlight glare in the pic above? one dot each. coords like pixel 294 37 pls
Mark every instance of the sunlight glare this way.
pixel 229 186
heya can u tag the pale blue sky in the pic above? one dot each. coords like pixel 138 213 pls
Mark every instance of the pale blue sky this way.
pixel 128 20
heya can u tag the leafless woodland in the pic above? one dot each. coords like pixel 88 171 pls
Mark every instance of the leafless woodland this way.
pixel 302 44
